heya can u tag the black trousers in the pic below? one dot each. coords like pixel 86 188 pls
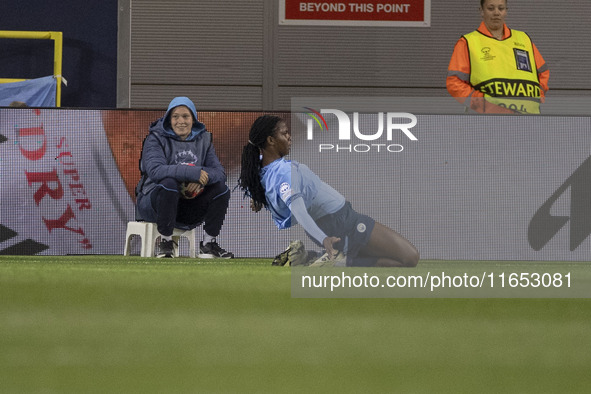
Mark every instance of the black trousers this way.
pixel 172 211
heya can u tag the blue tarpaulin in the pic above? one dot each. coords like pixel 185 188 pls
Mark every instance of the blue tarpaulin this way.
pixel 39 92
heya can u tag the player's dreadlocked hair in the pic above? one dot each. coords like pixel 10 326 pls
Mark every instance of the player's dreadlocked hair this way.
pixel 249 180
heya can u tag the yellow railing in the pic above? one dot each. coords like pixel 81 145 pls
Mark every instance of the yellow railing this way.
pixel 57 38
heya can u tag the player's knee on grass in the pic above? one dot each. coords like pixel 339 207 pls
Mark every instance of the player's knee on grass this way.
pixel 388 244
pixel 410 256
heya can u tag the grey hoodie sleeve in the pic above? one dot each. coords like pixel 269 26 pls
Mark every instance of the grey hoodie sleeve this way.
pixel 213 167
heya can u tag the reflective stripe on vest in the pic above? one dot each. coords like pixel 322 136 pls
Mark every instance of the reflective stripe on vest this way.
pixel 505 71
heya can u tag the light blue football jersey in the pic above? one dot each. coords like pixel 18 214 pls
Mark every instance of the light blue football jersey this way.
pixel 286 180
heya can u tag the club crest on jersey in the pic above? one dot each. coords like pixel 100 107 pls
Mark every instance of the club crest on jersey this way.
pixel 522 60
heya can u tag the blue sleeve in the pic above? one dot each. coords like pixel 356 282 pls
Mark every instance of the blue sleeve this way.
pixel 277 184
pixel 213 166
pixel 298 210
pixel 284 180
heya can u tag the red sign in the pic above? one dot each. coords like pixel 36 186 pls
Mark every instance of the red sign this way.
pixel 356 12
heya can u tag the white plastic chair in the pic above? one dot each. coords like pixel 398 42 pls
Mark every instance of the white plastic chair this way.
pixel 148 232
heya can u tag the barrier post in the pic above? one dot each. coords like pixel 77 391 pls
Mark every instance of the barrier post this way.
pixel 57 37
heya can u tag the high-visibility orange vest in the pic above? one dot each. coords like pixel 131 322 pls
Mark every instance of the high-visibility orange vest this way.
pixel 505 71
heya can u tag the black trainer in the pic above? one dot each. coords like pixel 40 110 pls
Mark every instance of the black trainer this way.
pixel 167 249
pixel 212 250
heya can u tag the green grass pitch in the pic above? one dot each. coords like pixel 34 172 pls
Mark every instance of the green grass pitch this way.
pixel 110 324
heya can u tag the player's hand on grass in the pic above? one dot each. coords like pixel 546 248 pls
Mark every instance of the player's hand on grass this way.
pixel 328 244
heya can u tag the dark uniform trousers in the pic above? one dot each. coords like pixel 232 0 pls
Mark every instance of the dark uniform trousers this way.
pixel 172 211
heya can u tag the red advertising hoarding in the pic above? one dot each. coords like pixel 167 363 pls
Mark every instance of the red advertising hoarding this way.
pixel 411 13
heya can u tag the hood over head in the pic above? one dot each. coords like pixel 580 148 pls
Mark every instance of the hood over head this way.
pixel 164 122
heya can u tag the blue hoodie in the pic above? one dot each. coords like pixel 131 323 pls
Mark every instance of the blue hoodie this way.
pixel 166 155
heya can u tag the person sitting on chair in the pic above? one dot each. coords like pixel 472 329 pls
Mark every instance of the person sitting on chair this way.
pixel 183 183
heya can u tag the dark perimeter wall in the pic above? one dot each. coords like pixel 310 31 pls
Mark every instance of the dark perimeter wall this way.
pixel 90 47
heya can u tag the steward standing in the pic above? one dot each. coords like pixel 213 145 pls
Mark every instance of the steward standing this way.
pixel 495 69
